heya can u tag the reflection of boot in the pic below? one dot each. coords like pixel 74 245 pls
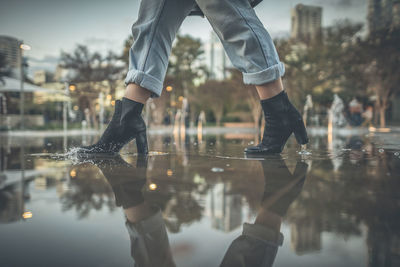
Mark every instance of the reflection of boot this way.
pixel 281 120
pixel 259 242
pixel 125 125
pixel 126 181
pixel 281 186
pixel 148 235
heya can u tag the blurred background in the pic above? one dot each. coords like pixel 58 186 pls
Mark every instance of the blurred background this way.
pixel 62 66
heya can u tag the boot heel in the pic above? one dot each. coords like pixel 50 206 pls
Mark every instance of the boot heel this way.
pixel 300 132
pixel 141 143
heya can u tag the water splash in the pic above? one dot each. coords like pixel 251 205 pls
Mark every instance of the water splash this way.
pixel 216 169
pixel 304 151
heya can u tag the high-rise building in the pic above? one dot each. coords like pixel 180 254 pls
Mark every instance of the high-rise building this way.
pixel 216 59
pixel 306 23
pixel 225 208
pixel 383 14
pixel 305 237
pixel 9 46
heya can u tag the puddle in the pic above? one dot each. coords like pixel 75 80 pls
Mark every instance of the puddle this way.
pixel 344 187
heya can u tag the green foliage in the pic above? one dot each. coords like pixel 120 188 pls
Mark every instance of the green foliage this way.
pixel 321 69
pixel 184 65
pixel 214 96
pixel 381 61
pixel 83 63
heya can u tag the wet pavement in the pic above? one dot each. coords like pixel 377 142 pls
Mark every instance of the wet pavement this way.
pixel 198 201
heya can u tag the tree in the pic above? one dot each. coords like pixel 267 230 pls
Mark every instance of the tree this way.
pixel 184 65
pixel 214 95
pixel 320 69
pixel 112 71
pixel 185 68
pixel 247 93
pixel 84 67
pixel 382 64
pixel 89 69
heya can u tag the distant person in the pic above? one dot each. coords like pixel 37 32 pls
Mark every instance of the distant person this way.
pixel 246 42
pixel 355 109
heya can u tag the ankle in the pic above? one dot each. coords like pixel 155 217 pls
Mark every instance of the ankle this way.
pixel 137 93
pixel 269 90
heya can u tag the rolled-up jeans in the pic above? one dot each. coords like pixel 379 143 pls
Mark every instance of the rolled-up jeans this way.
pixel 243 36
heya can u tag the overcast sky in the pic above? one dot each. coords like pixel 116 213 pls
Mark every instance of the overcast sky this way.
pixel 50 26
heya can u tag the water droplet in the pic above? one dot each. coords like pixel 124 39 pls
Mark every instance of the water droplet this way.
pixel 216 169
pixel 381 150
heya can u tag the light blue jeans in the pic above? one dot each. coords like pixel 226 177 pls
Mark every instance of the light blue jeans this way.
pixel 245 40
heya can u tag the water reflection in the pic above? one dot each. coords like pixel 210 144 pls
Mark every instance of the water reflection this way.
pixel 258 244
pixel 202 204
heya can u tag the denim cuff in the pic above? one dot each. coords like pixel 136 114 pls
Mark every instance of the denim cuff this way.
pixel 265 76
pixel 144 80
pixel 263 233
pixel 146 226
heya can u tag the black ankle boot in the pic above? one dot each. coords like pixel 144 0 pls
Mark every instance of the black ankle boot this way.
pixel 281 120
pixel 125 125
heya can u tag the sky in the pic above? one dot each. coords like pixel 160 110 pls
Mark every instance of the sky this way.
pixel 52 26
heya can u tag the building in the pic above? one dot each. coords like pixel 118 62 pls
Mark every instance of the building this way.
pixel 225 209
pixel 9 46
pixel 383 14
pixel 216 59
pixel 305 237
pixel 306 23
pixel 43 76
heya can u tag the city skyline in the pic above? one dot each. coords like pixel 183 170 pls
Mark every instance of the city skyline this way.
pixel 54 26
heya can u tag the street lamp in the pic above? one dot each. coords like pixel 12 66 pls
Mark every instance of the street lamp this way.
pixel 23 47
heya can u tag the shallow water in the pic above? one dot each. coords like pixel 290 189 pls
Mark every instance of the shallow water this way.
pixel 335 204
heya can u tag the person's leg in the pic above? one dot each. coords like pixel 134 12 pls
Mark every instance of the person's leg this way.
pixel 252 51
pixel 247 43
pixel 137 93
pixel 153 33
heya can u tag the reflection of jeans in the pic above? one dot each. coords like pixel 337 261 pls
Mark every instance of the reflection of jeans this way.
pixel 257 246
pixel 149 242
pixel 245 40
